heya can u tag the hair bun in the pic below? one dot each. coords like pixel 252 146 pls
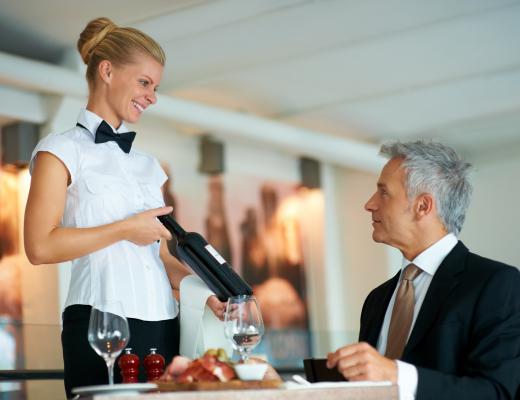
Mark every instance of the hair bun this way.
pixel 95 31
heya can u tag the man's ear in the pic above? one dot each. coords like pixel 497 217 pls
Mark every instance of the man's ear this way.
pixel 424 205
pixel 105 71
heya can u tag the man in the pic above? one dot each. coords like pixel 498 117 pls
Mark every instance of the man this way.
pixel 450 328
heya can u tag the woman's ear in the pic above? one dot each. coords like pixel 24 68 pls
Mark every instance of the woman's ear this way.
pixel 105 71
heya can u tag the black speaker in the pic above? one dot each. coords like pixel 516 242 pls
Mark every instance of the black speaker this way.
pixel 310 173
pixel 211 156
pixel 18 142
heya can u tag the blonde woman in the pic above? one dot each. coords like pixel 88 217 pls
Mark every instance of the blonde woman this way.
pixel 94 200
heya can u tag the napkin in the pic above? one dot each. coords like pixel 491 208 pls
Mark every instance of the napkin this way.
pixel 200 329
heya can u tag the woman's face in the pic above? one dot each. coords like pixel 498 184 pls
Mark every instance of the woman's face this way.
pixel 131 89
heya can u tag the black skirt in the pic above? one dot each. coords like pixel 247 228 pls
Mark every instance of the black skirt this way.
pixel 82 365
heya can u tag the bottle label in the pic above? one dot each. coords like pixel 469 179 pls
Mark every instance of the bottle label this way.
pixel 215 254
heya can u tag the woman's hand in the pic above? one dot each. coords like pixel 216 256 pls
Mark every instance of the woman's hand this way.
pixel 218 307
pixel 144 228
pixel 270 374
pixel 178 365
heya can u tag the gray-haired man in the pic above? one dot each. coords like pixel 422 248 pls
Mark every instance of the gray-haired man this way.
pixel 448 324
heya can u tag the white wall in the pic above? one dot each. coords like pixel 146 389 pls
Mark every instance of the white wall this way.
pixel 366 263
pixel 492 226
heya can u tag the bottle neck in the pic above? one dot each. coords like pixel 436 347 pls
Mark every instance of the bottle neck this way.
pixel 172 225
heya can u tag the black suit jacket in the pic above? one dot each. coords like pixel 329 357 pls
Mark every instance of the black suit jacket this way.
pixel 466 340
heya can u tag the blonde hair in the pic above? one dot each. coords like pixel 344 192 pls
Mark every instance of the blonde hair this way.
pixel 102 40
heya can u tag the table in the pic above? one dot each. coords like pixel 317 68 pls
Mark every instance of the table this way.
pixel 350 393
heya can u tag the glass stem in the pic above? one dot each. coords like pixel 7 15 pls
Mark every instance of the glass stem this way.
pixel 110 366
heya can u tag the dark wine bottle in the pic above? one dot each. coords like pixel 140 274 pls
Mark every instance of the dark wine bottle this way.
pixel 206 262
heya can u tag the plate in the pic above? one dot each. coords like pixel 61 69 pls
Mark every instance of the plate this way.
pixel 123 388
pixel 328 385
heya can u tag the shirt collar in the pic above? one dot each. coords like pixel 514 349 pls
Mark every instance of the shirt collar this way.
pixel 431 258
pixel 91 121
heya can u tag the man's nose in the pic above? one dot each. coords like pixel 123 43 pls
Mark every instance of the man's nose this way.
pixel 370 204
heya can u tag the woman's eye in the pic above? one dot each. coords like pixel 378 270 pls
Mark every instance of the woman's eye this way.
pixel 144 82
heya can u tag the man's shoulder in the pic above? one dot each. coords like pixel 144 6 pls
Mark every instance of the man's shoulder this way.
pixel 388 285
pixel 461 259
pixel 484 266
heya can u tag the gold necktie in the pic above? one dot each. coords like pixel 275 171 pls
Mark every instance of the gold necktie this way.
pixel 402 313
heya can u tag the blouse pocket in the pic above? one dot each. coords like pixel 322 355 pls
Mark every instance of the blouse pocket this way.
pixel 106 200
pixel 152 195
pixel 106 187
pixel 100 187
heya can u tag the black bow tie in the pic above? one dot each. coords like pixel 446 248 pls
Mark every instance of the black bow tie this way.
pixel 104 133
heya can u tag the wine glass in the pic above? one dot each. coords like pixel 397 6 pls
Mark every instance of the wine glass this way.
pixel 108 333
pixel 243 324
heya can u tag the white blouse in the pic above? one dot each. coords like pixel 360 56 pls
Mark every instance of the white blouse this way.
pixel 108 185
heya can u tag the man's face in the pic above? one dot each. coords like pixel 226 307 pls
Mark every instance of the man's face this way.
pixel 392 216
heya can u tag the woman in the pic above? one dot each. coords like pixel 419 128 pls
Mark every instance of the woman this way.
pixel 94 200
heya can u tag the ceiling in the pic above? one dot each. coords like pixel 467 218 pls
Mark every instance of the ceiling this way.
pixel 368 70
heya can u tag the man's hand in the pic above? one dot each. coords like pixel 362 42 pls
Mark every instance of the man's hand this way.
pixel 361 362
pixel 218 307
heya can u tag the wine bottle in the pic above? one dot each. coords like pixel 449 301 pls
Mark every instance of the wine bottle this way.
pixel 206 262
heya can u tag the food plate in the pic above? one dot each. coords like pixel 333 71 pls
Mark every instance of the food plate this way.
pixel 123 388
pixel 235 384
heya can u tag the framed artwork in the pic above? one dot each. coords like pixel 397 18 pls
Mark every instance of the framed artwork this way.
pixel 254 224
pixel 11 262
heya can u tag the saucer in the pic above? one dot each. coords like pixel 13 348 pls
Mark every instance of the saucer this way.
pixel 123 388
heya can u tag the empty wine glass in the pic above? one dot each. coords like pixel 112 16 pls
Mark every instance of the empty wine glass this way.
pixel 108 333
pixel 243 324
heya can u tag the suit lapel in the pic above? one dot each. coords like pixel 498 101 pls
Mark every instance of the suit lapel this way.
pixel 443 282
pixel 375 321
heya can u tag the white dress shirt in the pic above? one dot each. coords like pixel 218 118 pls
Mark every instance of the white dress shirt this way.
pixel 108 185
pixel 428 261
